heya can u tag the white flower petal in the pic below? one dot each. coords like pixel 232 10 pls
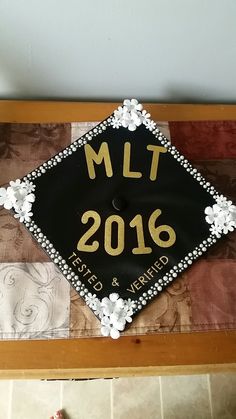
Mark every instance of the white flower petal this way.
pixel 119 304
pixel 128 319
pixel 107 311
pixel 216 208
pixel 30 187
pixel 146 115
pixel 11 193
pixel 208 210
pixel 138 122
pixel 105 331
pixel 3 192
pixel 125 123
pixel 98 311
pixel 119 325
pixel 114 333
pixel 30 197
pixel 233 215
pixel 105 301
pixel 26 206
pixel 209 219
pixel 15 184
pixel 126 102
pixel 8 204
pixel 132 127
pixel 220 221
pixel 114 297
pixel 27 216
pixel 105 321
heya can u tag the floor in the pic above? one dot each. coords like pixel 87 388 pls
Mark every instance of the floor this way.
pixel 167 397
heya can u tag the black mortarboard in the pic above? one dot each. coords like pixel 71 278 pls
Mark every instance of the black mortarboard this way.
pixel 121 213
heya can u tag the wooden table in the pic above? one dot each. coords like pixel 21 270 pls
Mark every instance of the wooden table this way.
pixel 172 353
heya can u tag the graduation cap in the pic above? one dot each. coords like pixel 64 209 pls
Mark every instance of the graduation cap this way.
pixel 121 212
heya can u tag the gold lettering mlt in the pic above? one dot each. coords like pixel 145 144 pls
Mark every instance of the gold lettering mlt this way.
pixel 93 157
pixel 126 166
pixel 156 150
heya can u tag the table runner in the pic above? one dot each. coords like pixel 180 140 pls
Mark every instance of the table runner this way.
pixel 36 301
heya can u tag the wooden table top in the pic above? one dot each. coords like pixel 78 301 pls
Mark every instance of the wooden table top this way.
pixel 167 353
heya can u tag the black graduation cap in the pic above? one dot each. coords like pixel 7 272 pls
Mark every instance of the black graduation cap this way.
pixel 121 213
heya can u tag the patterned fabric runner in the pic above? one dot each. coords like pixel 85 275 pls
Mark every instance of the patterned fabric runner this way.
pixel 36 302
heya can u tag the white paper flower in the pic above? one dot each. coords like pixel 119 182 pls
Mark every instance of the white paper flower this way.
pixel 131 121
pixel 116 123
pixel 132 105
pixel 221 216
pixel 111 304
pixel 7 198
pixel 150 124
pixel 212 213
pixel 18 196
pixel 106 326
pixel 16 184
pixel 30 187
pixel 144 116
pixel 22 197
pixel 30 197
pixel 222 201
pixel 130 115
pixel 227 224
pixel 112 326
pixel 98 310
pixel 128 312
pixel 95 304
pixel 130 304
pixel 23 187
pixel 119 112
pixel 24 213
pixel 118 319
pixel 216 230
pixel 225 204
pixel 91 300
pixel 108 329
pixel 114 313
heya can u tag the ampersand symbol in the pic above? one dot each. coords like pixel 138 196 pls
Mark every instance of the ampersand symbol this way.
pixel 115 282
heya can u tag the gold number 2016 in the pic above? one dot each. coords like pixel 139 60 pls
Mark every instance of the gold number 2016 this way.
pixel 90 232
pixel 156 231
pixel 114 251
pixel 136 222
